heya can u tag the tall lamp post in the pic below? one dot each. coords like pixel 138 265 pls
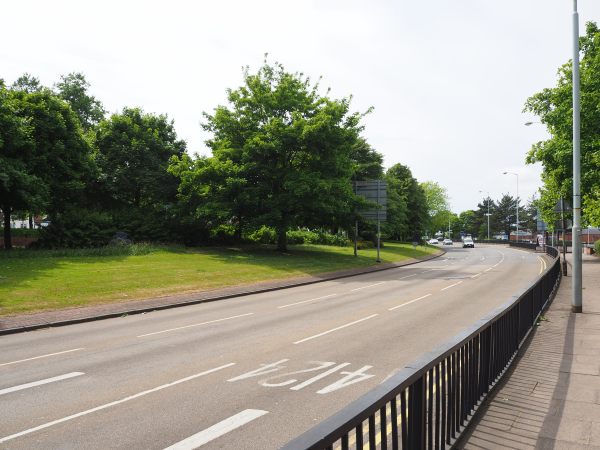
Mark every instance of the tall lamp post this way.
pixel 517 202
pixel 576 303
pixel 488 213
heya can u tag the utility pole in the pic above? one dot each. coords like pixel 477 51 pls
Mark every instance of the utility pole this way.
pixel 576 304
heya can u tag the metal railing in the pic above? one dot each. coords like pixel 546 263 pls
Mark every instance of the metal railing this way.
pixel 527 245
pixel 429 402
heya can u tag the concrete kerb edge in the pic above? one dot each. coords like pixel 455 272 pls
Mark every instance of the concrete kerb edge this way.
pixel 60 323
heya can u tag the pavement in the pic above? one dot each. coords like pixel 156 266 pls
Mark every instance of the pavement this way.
pixel 550 398
pixel 34 321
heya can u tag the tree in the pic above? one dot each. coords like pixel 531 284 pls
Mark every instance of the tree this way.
pixel 407 207
pixel 554 108
pixel 18 186
pixel 290 148
pixel 133 153
pixel 73 89
pixel 504 216
pixel 469 222
pixel 27 83
pixel 45 160
pixel 438 205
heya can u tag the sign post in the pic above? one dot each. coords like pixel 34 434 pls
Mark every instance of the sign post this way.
pixel 374 191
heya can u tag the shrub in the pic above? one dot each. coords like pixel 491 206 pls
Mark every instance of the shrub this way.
pixel 77 228
pixel 223 234
pixel 264 235
pixel 597 247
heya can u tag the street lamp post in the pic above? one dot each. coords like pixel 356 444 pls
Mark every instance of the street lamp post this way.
pixel 488 213
pixel 576 303
pixel 517 202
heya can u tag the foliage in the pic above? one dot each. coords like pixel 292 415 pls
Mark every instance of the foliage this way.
pixel 267 235
pixel 407 205
pixel 287 147
pixel 597 247
pixel 45 162
pixel 554 108
pixel 77 227
pixel 73 89
pixel 134 249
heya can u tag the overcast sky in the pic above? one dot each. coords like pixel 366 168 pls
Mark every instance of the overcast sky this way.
pixel 447 79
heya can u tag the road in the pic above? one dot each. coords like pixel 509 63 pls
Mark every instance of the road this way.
pixel 250 372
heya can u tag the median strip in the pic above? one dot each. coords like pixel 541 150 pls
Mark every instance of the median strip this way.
pixel 335 329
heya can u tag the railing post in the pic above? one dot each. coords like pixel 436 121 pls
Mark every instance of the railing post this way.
pixel 416 417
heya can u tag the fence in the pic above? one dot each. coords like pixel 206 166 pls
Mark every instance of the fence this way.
pixel 428 403
pixel 527 245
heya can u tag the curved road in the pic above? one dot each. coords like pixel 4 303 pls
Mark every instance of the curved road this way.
pixel 250 372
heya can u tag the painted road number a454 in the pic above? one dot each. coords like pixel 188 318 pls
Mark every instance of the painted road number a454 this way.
pixel 319 371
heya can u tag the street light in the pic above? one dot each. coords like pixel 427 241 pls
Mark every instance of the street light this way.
pixel 517 202
pixel 576 302
pixel 488 213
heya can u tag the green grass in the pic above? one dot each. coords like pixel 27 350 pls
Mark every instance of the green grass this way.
pixel 32 281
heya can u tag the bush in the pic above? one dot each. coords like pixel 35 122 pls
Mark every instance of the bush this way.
pixel 77 228
pixel 264 235
pixel 223 234
pixel 597 247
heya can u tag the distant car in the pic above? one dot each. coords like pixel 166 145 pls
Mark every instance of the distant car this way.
pixel 448 242
pixel 440 240
pixel 433 241
pixel 468 242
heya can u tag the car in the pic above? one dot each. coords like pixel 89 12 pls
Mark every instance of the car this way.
pixel 433 241
pixel 448 242
pixel 468 242
pixel 440 240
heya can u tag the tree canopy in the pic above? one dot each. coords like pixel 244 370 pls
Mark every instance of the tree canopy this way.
pixel 554 108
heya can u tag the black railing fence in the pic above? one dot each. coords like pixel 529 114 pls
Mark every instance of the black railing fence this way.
pixel 527 245
pixel 428 403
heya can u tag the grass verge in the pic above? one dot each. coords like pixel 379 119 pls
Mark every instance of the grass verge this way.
pixel 32 281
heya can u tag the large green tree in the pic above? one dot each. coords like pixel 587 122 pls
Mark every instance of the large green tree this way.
pixel 46 161
pixel 554 108
pixel 73 88
pixel 407 205
pixel 289 147
pixel 438 205
pixel 133 152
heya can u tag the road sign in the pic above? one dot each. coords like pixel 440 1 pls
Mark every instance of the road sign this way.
pixel 374 191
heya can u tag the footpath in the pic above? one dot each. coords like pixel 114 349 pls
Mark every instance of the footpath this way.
pixel 550 398
pixel 29 322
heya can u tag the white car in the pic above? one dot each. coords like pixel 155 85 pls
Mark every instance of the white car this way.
pixel 468 242
pixel 448 242
pixel 433 241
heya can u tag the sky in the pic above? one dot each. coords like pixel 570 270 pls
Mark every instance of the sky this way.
pixel 447 79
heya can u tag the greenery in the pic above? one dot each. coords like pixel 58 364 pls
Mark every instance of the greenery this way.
pixel 53 279
pixel 597 247
pixel 285 156
pixel 554 108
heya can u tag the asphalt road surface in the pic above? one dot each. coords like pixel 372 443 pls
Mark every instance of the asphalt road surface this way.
pixel 245 373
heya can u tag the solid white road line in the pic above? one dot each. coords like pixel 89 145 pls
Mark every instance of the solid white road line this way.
pixel 218 429
pixel 335 329
pixel 452 285
pixel 488 269
pixel 499 262
pixel 41 356
pixel 408 303
pixel 476 275
pixel 307 301
pixel 194 325
pixel 365 287
pixel 40 382
pixel 108 405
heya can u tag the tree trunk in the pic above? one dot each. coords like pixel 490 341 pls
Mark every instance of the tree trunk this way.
pixel 238 230
pixel 282 236
pixel 7 235
pixel 31 221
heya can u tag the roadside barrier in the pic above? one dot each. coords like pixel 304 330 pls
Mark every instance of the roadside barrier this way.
pixel 527 245
pixel 429 403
